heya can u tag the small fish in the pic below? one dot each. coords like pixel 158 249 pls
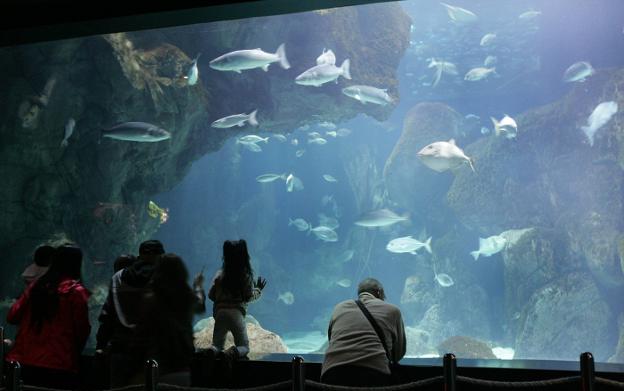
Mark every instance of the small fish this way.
pixel 441 67
pixel 241 60
pixel 324 73
pixel 459 15
pixel 444 280
pixel 329 178
pixel 479 73
pixel 266 178
pixel 293 183
pixel 294 142
pixel 472 117
pixel 327 57
pixel 236 120
pixel 69 130
pixel 506 126
pixel 528 15
pixel 141 132
pixel 314 134
pixel 578 71
pixel 279 137
pixel 346 256
pixel 253 147
pixel 488 39
pixel 286 297
pixel 345 283
pixel 370 94
pixel 252 138
pixel 300 224
pixel 489 246
pixel 484 130
pixel 317 141
pixel 299 152
pixel 444 155
pixel 380 218
pixel 193 73
pixel 326 234
pixel 489 61
pixel 329 222
pixel 343 132
pixel 332 133
pixel 327 125
pixel 598 118
pixel 407 244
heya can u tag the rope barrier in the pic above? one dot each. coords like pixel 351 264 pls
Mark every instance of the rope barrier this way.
pixel 534 385
pixel 438 380
pixel 285 385
pixel 608 384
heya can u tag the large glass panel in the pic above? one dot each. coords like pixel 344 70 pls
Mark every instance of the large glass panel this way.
pixel 467 155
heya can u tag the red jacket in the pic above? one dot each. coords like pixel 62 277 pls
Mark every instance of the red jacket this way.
pixel 61 339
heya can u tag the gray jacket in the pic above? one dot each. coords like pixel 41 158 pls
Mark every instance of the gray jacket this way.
pixel 354 341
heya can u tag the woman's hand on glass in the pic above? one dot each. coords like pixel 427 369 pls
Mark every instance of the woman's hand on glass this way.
pixel 261 283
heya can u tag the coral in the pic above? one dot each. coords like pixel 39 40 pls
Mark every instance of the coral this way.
pixel 466 347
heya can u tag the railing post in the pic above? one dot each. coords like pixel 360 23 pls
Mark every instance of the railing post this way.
pixel 450 371
pixel 151 375
pixel 298 374
pixel 14 378
pixel 587 372
pixel 1 356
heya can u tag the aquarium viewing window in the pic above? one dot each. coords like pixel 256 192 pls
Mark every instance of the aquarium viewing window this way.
pixel 468 155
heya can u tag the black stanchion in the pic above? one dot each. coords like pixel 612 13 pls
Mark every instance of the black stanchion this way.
pixel 151 375
pixel 587 372
pixel 298 374
pixel 1 356
pixel 450 371
pixel 14 379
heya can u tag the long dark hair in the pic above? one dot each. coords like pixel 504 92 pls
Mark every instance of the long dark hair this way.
pixel 170 285
pixel 237 271
pixel 44 296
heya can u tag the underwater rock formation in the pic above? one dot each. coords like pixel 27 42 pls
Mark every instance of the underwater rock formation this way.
pixel 619 350
pixel 569 316
pixel 465 347
pixel 261 341
pixel 418 342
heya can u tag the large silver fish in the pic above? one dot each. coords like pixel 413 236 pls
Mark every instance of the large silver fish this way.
pixel 380 218
pixel 579 71
pixel 598 118
pixel 327 57
pixel 408 244
pixel 459 15
pixel 326 234
pixel 241 60
pixel 444 155
pixel 368 94
pixel 193 73
pixel 141 132
pixel 489 246
pixel 321 74
pixel 236 120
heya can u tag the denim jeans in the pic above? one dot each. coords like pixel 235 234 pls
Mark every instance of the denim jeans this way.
pixel 231 319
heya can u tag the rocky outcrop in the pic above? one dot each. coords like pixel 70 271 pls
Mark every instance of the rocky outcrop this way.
pixel 465 347
pixel 618 357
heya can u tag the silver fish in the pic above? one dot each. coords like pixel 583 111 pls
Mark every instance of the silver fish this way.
pixel 479 73
pixel 327 57
pixel 598 118
pixel 266 178
pixel 332 133
pixel 408 244
pixel 343 132
pixel 326 234
pixel 345 283
pixel 506 126
pixel 444 155
pixel 253 147
pixel 279 137
pixel 380 218
pixel 459 15
pixel 441 67
pixel 317 141
pixel 69 130
pixel 528 15
pixel 329 178
pixel 488 39
pixel 300 224
pixel 444 280
pixel 489 246
pixel 286 297
pixel 241 60
pixel 252 138
pixel 299 152
pixel 293 183
pixel 236 120
pixel 193 73
pixel 329 222
pixel 141 132
pixel 370 94
pixel 578 71
pixel 321 74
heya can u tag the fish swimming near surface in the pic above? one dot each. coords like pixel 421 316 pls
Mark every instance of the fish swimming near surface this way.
pixel 324 73
pixel 479 73
pixel 507 127
pixel 598 118
pixel 326 234
pixel 69 130
pixel 578 71
pixel 236 120
pixel 489 246
pixel 370 94
pixel 193 73
pixel 141 132
pixel 279 137
pixel 266 178
pixel 286 297
pixel 329 178
pixel 407 244
pixel 317 141
pixel 300 224
pixel 444 155
pixel 488 39
pixel 489 61
pixel 293 183
pixel 441 67
pixel 252 138
pixel 345 283
pixel 327 57
pixel 380 218
pixel 459 15
pixel 241 60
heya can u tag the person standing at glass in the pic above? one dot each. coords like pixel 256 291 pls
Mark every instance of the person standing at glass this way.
pixel 233 287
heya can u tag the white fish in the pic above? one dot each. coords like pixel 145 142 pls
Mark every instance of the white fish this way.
pixel 317 141
pixel 488 39
pixel 252 138
pixel 380 218
pixel 346 256
pixel 326 234
pixel 327 57
pixel 444 155
pixel 489 246
pixel 407 244
pixel 321 74
pixel 370 94
pixel 300 224
pixel 141 132
pixel 579 71
pixel 253 147
pixel 472 117
pixel 479 73
pixel 345 283
pixel 294 142
pixel 441 67
pixel 329 222
pixel 266 178
pixel 314 134
pixel 459 15
pixel 69 130
pixel 598 118
pixel 329 178
pixel 286 297
pixel 299 152
pixel 240 60
pixel 332 133
pixel 489 61
pixel 279 137
pixel 528 15
pixel 293 183
pixel 327 125
pixel 193 73
pixel 343 132
pixel 506 126
pixel 444 280
pixel 236 120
